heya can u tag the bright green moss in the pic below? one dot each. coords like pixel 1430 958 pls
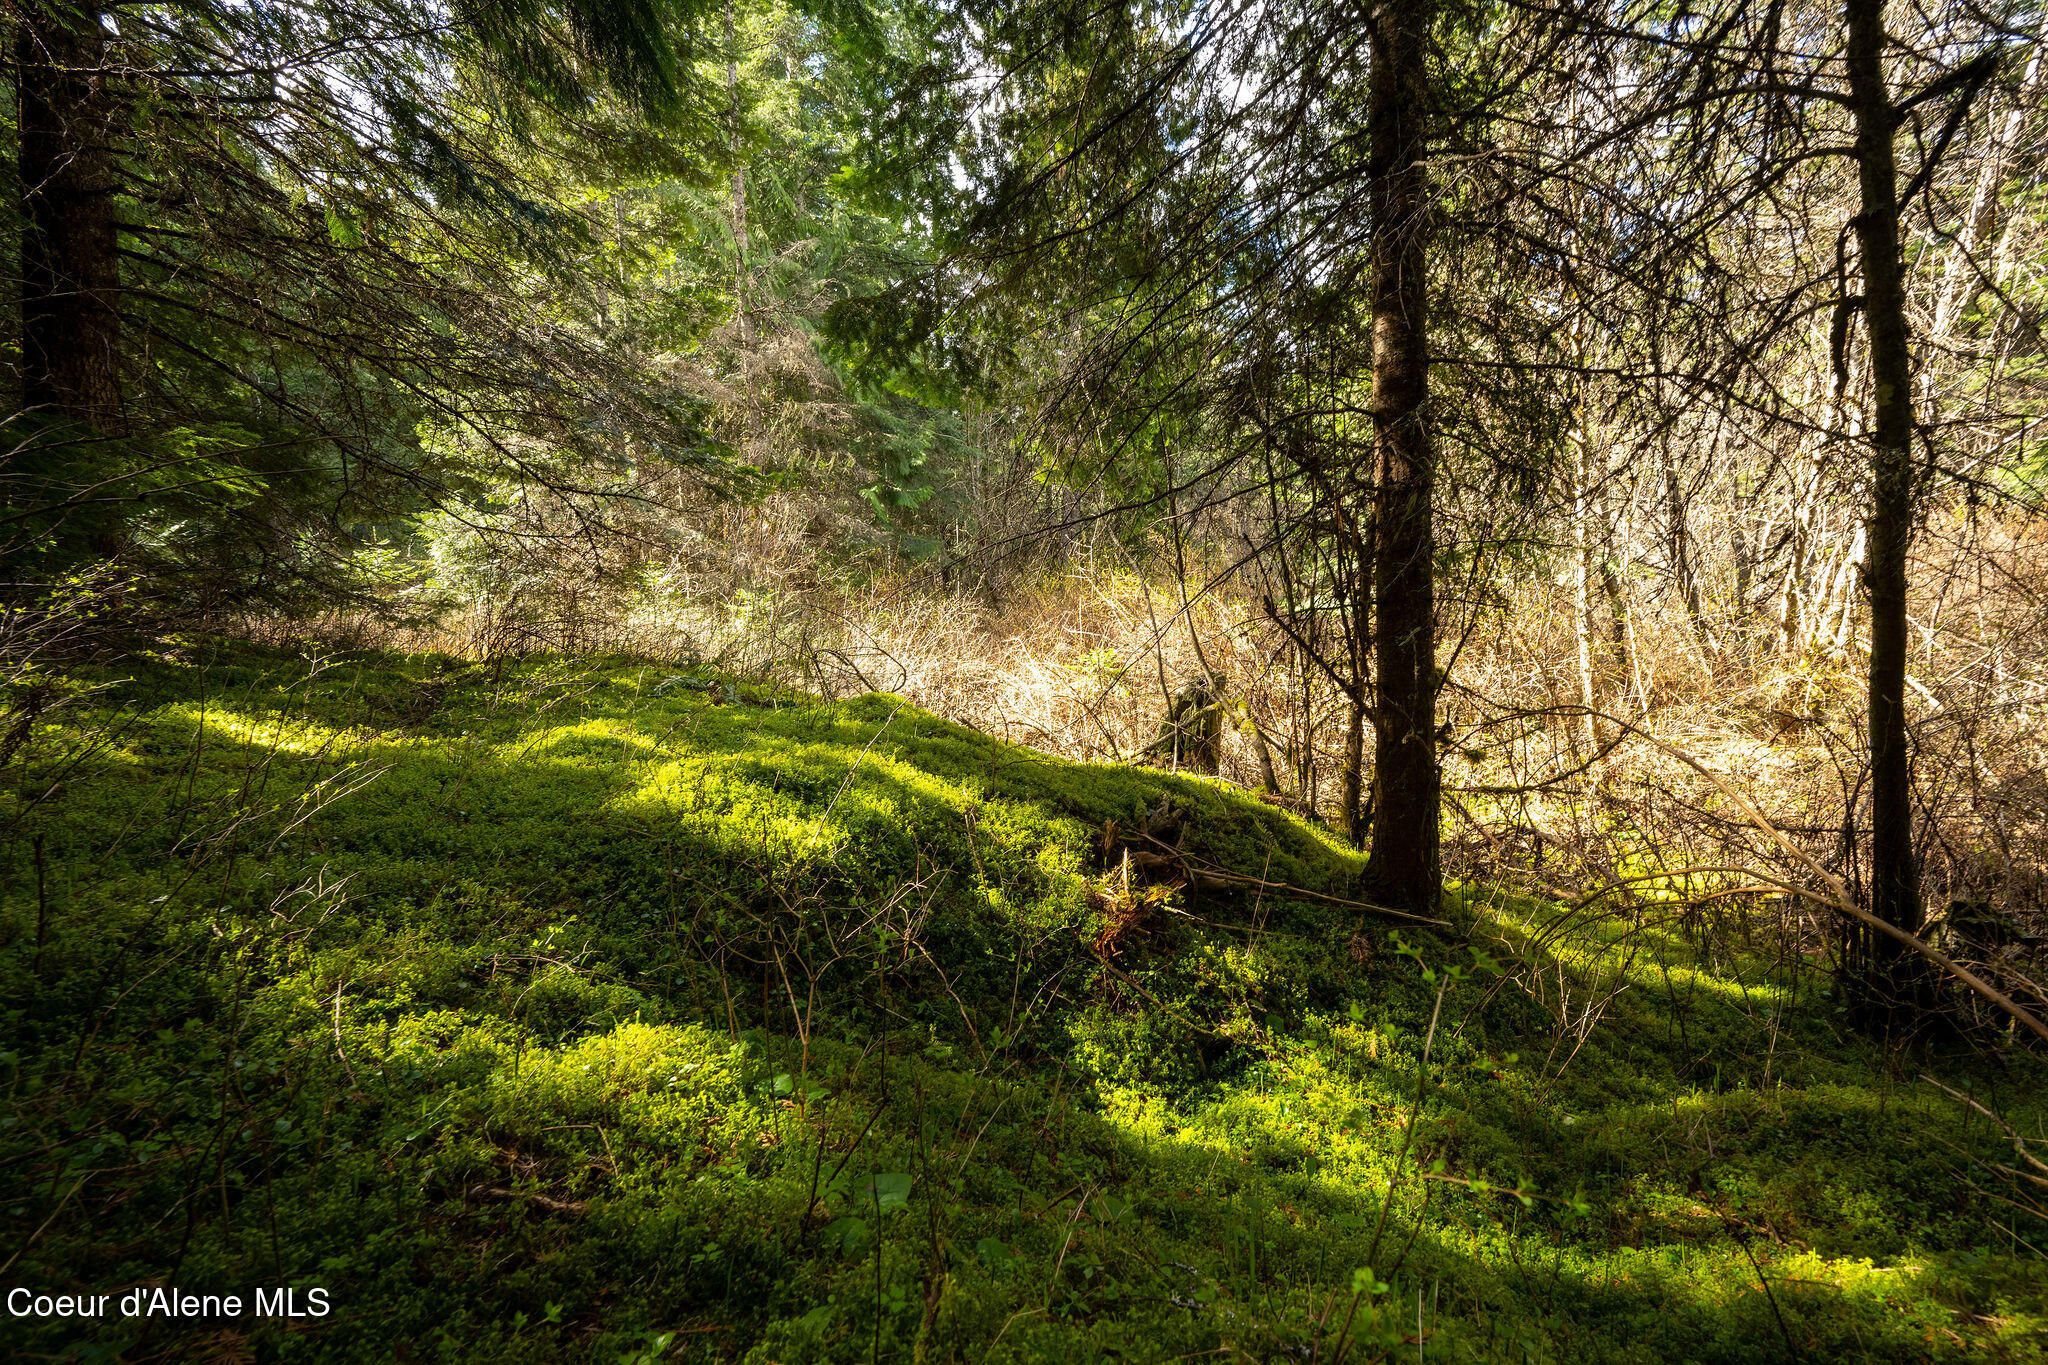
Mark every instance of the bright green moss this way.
pixel 555 1011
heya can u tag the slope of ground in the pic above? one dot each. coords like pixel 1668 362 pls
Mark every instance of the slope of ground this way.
pixel 581 1010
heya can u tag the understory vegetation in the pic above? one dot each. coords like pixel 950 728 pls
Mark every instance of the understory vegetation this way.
pixel 923 681
pixel 588 1008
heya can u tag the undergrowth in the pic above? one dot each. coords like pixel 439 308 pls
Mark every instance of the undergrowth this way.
pixel 592 1010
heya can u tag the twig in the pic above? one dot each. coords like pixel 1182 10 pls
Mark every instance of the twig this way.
pixel 1743 1241
pixel 574 1207
pixel 1838 897
pixel 338 1050
pixel 847 781
pixel 1214 873
pixel 2019 1143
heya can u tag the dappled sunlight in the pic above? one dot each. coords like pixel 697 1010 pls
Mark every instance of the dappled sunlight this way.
pixel 744 1000
pixel 739 682
pixel 271 731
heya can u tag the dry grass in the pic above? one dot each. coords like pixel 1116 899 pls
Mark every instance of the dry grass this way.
pixel 1083 662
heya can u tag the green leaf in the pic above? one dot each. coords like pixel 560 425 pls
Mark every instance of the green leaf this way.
pixel 850 1235
pixel 1362 1282
pixel 890 1191
pixel 344 233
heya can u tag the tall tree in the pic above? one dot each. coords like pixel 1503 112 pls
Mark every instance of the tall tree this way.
pixel 1407 809
pixel 70 311
pixel 1897 980
pixel 279 264
pixel 1755 112
pixel 1894 879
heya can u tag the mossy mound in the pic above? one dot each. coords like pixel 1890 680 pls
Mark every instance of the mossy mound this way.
pixel 582 1009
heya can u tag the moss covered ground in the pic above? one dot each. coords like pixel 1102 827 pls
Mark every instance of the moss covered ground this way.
pixel 587 1010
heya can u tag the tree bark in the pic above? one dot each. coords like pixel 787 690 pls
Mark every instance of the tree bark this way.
pixel 1891 979
pixel 1796 601
pixel 1678 531
pixel 1960 283
pixel 1582 585
pixel 1269 780
pixel 739 176
pixel 1620 634
pixel 1404 868
pixel 70 296
pixel 1842 595
pixel 1351 789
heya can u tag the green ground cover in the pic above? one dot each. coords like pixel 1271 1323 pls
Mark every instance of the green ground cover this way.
pixel 587 1010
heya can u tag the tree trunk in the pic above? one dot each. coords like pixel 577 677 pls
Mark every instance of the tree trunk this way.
pixel 1595 558
pixel 1679 532
pixel 1582 587
pixel 1407 810
pixel 1354 568
pixel 1891 978
pixel 739 176
pixel 1842 595
pixel 1960 281
pixel 1351 792
pixel 1619 632
pixel 1269 780
pixel 1795 605
pixel 1740 551
pixel 70 309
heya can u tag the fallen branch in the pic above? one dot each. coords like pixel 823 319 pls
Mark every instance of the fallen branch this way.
pixel 1282 888
pixel 1138 986
pixel 500 1195
pixel 1216 874
pixel 2019 1143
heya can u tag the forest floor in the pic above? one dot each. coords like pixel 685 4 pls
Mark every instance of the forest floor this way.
pixel 581 1009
